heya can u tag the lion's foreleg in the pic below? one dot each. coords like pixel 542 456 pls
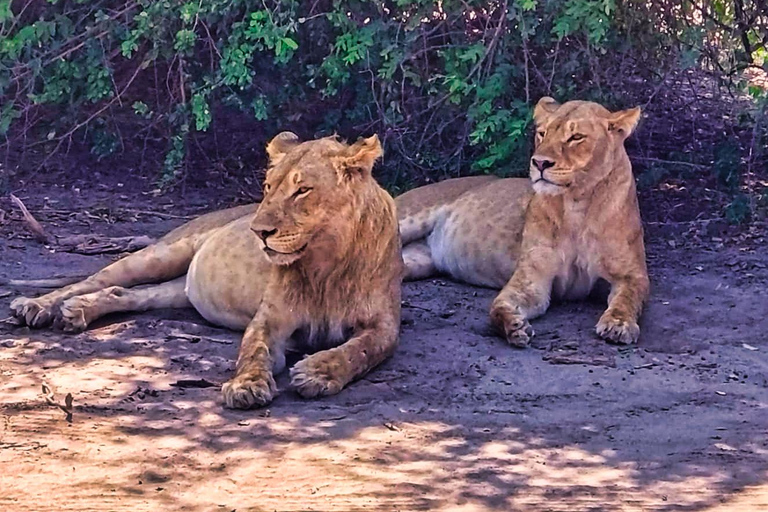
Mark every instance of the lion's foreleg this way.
pixel 262 354
pixel 328 371
pixel 625 303
pixel 525 296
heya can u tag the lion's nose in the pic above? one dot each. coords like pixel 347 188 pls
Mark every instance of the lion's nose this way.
pixel 542 164
pixel 263 231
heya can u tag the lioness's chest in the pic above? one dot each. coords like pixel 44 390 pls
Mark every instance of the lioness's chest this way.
pixel 579 268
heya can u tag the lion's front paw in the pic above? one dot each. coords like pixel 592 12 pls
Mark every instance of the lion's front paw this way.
pixel 517 330
pixel 617 329
pixel 33 312
pixel 323 373
pixel 254 389
pixel 73 314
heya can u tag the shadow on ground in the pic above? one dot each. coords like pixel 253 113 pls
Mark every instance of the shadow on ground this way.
pixel 456 420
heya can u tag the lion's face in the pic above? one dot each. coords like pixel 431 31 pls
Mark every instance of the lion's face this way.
pixel 309 193
pixel 576 144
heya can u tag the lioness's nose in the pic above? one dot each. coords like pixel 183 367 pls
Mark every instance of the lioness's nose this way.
pixel 263 231
pixel 542 164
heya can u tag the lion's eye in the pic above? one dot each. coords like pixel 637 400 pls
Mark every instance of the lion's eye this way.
pixel 267 188
pixel 576 137
pixel 540 134
pixel 302 191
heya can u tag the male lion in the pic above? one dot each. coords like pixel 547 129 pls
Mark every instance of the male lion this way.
pixel 323 266
pixel 574 223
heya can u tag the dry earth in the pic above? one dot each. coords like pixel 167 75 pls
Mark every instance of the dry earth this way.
pixel 456 420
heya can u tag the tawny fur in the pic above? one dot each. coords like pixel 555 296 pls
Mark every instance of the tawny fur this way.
pixel 326 280
pixel 542 239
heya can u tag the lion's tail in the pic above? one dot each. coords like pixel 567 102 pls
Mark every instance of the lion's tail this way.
pixel 54 282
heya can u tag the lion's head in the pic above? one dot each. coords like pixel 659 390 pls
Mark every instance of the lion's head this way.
pixel 311 194
pixel 577 144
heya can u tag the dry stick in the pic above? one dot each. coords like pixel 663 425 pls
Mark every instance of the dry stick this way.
pixel 670 162
pixel 67 407
pixel 157 214
pixel 32 223
pixel 96 244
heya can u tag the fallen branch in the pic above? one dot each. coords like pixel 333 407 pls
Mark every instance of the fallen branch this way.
pixel 96 244
pixel 578 358
pixel 158 214
pixel 196 338
pixel 670 162
pixel 49 399
pixel 32 223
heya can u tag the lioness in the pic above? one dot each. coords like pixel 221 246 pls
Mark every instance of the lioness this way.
pixel 317 266
pixel 575 222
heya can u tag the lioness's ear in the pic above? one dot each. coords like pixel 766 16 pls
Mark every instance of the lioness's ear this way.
pixel 280 145
pixel 544 107
pixel 624 121
pixel 360 157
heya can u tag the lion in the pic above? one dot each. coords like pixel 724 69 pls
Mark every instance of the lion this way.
pixel 316 266
pixel 574 225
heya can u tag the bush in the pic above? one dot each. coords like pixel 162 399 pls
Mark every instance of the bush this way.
pixel 448 85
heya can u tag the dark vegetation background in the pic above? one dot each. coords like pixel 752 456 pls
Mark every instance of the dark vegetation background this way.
pixel 168 95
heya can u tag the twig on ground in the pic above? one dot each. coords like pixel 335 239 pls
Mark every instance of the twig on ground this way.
pixel 32 223
pixel 196 338
pixel 158 214
pixel 96 244
pixel 49 399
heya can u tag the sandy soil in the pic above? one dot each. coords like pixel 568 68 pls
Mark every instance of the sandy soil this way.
pixel 456 420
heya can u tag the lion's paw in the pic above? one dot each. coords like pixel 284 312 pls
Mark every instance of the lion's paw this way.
pixel 323 373
pixel 33 312
pixel 73 314
pixel 517 330
pixel 616 329
pixel 255 389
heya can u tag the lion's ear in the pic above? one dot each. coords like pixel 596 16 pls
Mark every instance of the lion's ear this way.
pixel 281 144
pixel 543 108
pixel 624 121
pixel 360 157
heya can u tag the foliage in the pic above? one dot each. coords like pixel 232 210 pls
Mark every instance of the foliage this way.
pixel 448 85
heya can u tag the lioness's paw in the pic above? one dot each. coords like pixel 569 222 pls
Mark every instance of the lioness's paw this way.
pixel 516 329
pixel 616 329
pixel 73 314
pixel 251 390
pixel 323 373
pixel 33 312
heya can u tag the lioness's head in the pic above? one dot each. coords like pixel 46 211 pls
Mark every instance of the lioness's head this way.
pixel 310 193
pixel 577 144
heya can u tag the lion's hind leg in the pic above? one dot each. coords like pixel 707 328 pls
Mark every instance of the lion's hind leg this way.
pixel 156 263
pixel 77 312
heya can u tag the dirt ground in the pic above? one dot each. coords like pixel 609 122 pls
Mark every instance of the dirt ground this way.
pixel 456 420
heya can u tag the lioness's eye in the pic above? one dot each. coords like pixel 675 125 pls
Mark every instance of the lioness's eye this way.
pixel 540 134
pixel 267 188
pixel 576 137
